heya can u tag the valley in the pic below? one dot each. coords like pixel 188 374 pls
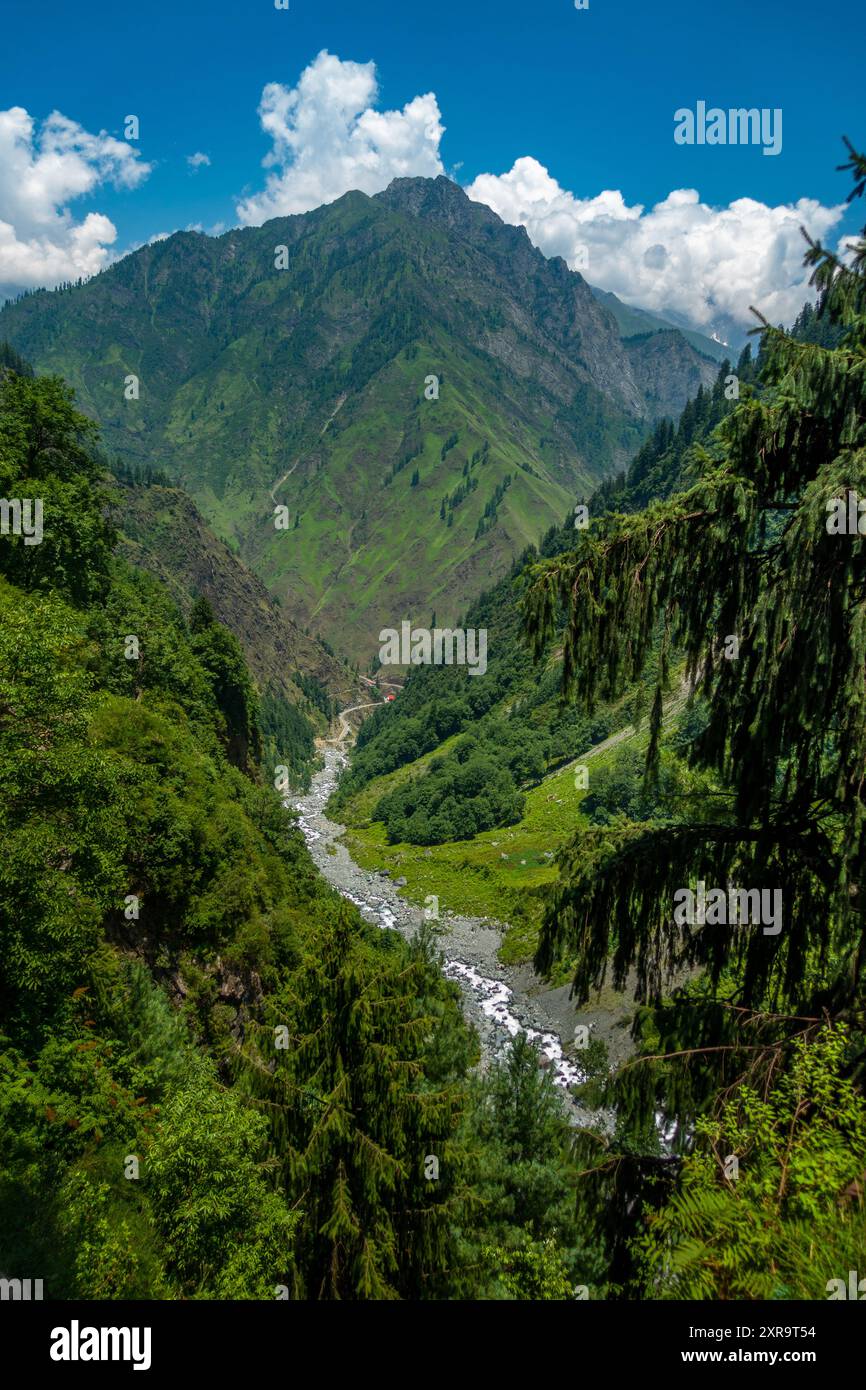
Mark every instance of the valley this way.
pixel 359 806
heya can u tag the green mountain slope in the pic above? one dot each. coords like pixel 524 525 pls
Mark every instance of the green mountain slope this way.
pixel 305 386
pixel 158 528
pixel 418 796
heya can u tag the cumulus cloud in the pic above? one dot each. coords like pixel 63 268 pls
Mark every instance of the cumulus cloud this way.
pixel 42 170
pixel 707 264
pixel 328 138
pixel 198 160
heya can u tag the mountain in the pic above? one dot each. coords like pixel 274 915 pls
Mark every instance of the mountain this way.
pixel 634 322
pixel 310 386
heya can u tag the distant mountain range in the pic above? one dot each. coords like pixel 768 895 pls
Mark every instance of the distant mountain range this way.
pixel 635 323
pixel 419 387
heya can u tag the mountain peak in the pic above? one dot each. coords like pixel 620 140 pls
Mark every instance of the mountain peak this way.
pixel 437 198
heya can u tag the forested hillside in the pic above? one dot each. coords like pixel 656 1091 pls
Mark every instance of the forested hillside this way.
pixel 301 681
pixel 760 1058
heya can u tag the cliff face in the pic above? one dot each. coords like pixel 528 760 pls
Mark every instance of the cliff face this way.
pixel 164 532
pixel 668 371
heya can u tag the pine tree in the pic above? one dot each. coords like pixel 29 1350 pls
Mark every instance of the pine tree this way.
pixel 745 552
pixel 357 1118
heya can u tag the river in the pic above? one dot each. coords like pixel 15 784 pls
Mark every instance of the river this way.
pixel 495 998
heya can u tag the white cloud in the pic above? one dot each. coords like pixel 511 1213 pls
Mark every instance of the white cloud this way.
pixel 328 139
pixel 707 264
pixel 41 172
pixel 198 160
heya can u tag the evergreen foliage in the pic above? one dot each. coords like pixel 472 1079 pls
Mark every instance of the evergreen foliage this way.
pixel 160 922
pixel 741 546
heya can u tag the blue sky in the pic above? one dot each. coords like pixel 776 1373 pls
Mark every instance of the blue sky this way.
pixel 589 95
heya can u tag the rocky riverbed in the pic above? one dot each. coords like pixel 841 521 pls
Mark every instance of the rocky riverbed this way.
pixel 498 1000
